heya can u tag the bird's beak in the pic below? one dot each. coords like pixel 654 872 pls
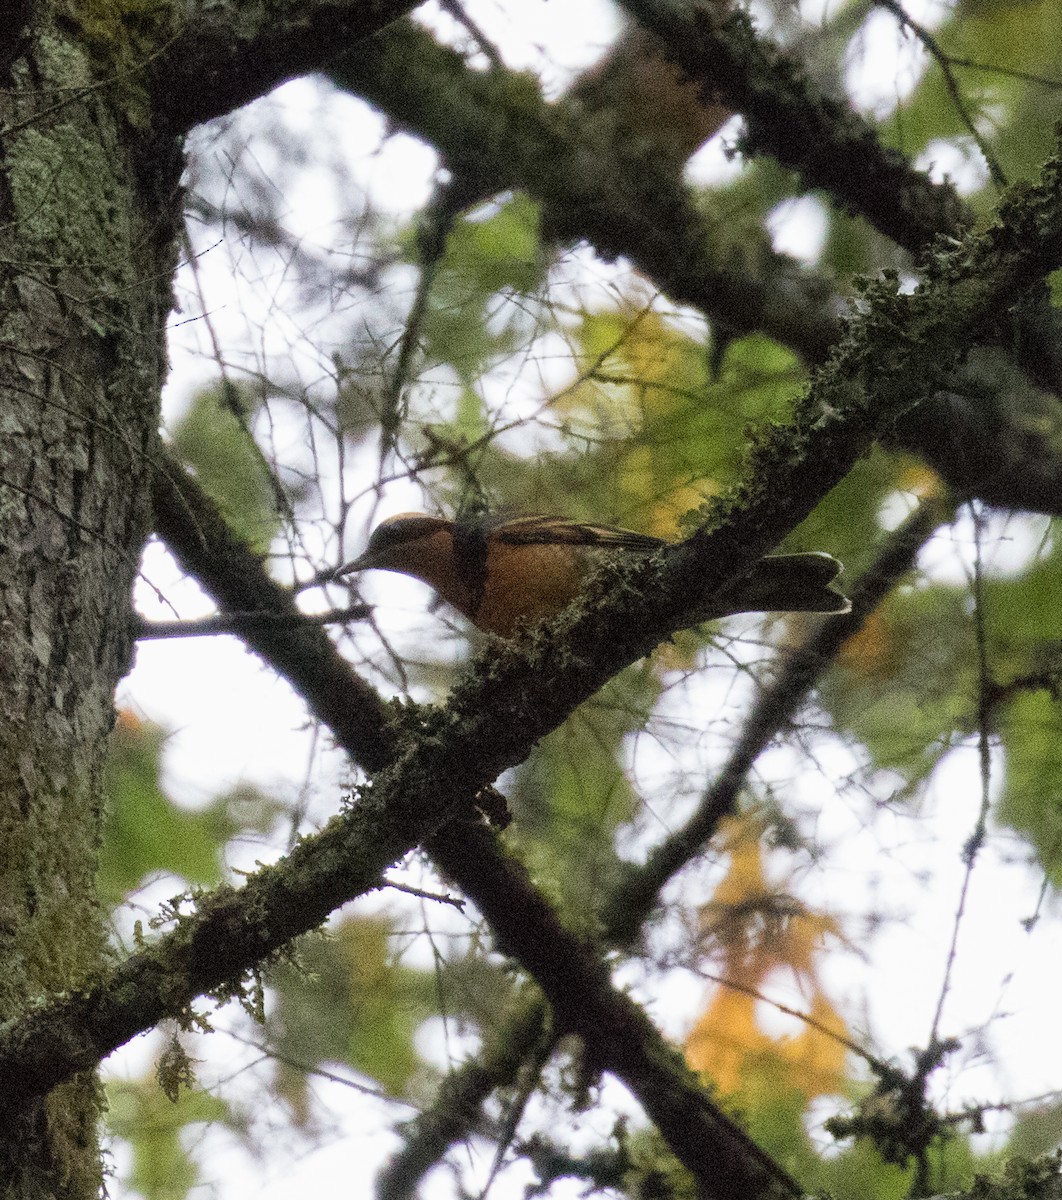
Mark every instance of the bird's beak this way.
pixel 362 563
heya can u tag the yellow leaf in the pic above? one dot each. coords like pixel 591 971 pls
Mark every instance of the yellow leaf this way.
pixel 869 652
pixel 752 929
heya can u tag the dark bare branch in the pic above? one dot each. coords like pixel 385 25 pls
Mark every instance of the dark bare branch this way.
pixel 440 759
pixel 991 432
pixel 495 131
pixel 224 56
pixel 637 891
pixel 235 579
pixel 239 622
pixel 820 138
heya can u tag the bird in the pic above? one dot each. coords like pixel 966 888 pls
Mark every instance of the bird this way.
pixel 638 96
pixel 505 573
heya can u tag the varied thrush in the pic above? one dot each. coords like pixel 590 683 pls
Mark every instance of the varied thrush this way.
pixel 504 573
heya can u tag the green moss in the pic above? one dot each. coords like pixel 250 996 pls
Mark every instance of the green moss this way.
pixel 1022 1180
pixel 121 36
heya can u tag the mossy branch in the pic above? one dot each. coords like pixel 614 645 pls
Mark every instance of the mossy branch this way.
pixel 224 56
pixel 891 357
pixel 820 138
pixel 990 432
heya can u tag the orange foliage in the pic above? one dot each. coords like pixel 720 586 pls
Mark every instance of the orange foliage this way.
pixel 870 651
pixel 753 930
pixel 921 481
pixel 126 721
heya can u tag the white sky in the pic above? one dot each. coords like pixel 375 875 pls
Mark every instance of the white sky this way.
pixel 233 720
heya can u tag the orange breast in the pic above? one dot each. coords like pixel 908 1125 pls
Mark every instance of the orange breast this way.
pixel 528 583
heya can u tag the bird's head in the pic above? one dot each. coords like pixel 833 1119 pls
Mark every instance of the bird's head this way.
pixel 412 543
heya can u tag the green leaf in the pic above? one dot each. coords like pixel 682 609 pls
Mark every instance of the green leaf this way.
pixel 145 832
pixel 499 252
pixel 350 1001
pixel 155 1130
pixel 1036 1131
pixel 217 446
pixel 905 683
pixel 486 257
pixel 1014 114
pixel 1031 802
pixel 858 1174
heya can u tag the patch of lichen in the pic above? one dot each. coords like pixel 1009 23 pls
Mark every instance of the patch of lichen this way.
pixel 1038 1179
pixel 428 88
pixel 88 230
pixel 122 37
pixel 74 204
pixel 899 351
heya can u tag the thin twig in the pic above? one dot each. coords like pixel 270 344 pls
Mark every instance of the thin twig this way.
pixel 945 63
pixel 439 217
pixel 239 622
pixel 488 48
pixel 984 753
pixel 457 902
pixel 631 901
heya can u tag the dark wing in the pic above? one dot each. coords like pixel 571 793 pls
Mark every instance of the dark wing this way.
pixel 558 531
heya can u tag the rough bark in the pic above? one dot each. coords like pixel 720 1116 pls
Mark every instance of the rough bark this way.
pixel 87 220
pixel 90 163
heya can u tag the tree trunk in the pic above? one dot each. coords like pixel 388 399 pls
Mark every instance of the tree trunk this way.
pixel 88 211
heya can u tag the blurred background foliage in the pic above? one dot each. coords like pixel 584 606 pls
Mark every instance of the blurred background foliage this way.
pixel 516 372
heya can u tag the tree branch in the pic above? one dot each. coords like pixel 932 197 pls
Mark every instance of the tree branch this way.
pixel 456 1110
pixel 639 886
pixel 225 56
pixel 238 622
pixel 456 1113
pixel 821 139
pixel 495 131
pixel 617 1035
pixel 830 147
pixel 234 578
pixel 892 356
pixel 990 434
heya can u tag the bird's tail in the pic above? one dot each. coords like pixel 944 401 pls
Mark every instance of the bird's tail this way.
pixel 785 583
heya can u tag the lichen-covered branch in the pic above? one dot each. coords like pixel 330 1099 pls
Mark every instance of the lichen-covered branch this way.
pixel 457 1111
pixel 990 433
pixel 495 131
pixel 439 759
pixel 234 578
pixel 223 56
pixel 821 139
